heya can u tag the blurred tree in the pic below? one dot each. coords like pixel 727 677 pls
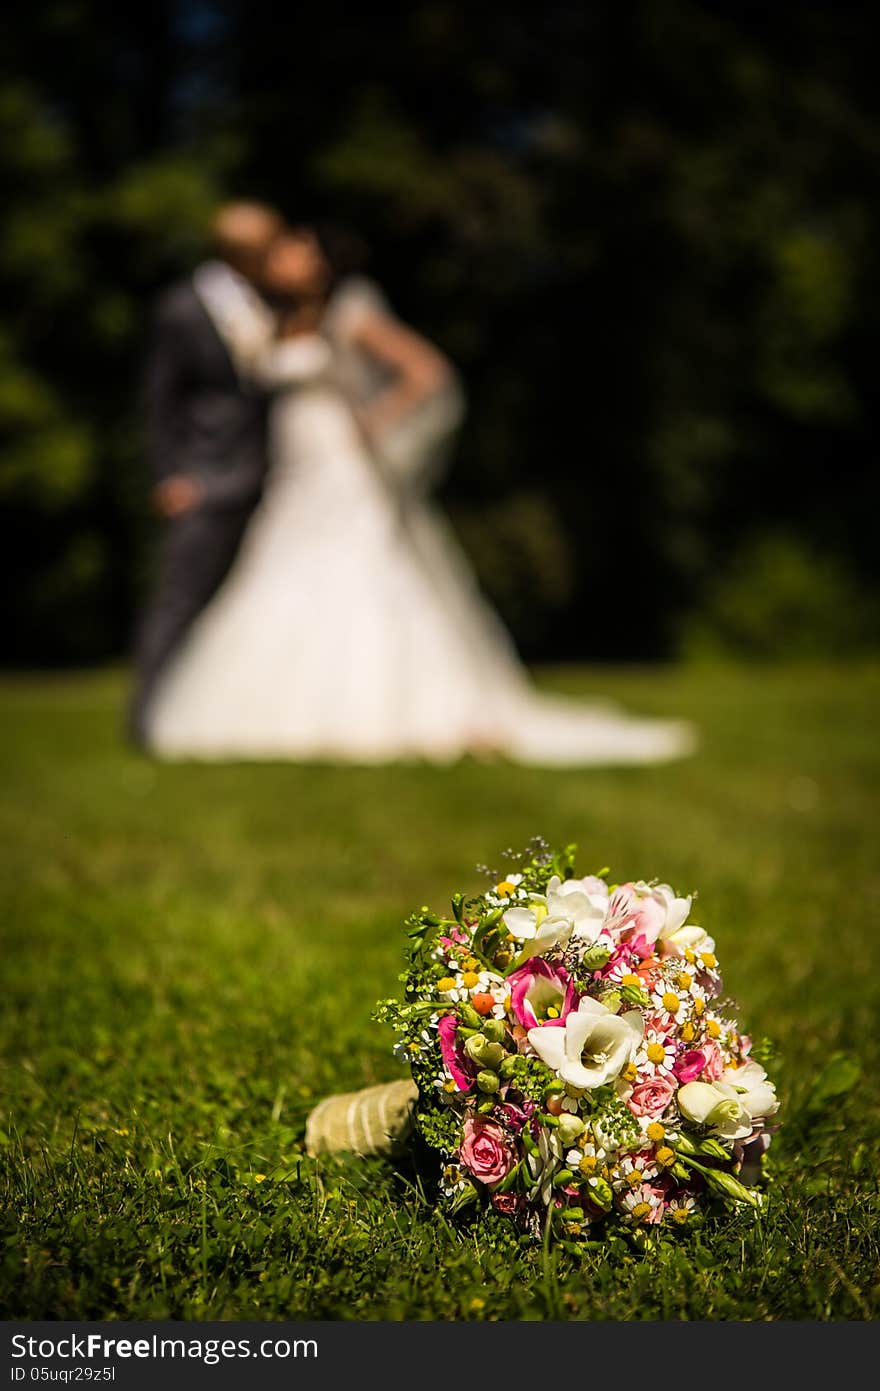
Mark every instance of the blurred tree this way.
pixel 645 233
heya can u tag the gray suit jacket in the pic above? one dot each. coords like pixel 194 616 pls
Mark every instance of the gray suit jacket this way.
pixel 199 418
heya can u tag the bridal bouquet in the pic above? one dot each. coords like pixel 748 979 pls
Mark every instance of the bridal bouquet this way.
pixel 574 1060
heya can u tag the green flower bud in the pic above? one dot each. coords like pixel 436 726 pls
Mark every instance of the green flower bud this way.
pixel 611 1000
pixel 562 1178
pixel 468 1015
pixel 486 1106
pixel 595 957
pixel 494 1030
pixel 713 1149
pixel 632 995
pixel 510 1066
pixel 482 1052
pixel 725 1183
pixel 488 1081
pixel 570 1127
pixel 601 1194
pixel 722 1182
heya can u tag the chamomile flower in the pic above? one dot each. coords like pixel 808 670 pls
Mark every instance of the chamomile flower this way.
pixel 621 972
pixel 635 1169
pixel 464 984
pixel 656 1055
pixel 714 1027
pixel 656 1132
pixel 672 1007
pixel 571 1100
pixel 445 1085
pixel 586 1159
pixel 639 1205
pixel 699 1000
pixel 452 1180
pixel 680 1209
pixel 508 884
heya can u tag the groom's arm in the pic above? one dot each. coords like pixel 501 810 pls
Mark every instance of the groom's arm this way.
pixel 163 384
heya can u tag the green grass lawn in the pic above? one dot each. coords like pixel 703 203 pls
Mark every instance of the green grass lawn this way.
pixel 192 953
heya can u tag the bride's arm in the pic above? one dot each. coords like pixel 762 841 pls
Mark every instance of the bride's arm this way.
pixel 419 370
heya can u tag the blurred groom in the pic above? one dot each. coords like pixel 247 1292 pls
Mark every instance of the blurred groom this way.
pixel 205 427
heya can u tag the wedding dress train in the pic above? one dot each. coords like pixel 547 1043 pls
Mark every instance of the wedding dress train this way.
pixel 351 627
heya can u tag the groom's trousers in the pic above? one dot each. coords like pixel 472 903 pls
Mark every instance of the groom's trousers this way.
pixel 196 554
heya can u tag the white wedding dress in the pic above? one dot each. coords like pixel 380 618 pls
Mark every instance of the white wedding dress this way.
pixel 351 627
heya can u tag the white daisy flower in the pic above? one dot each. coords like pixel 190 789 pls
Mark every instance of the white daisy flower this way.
pixel 452 1181
pixel 571 1101
pixel 680 1209
pixel 673 1006
pixel 656 1055
pixel 639 1204
pixel 587 1159
pixel 663 1132
pixel 699 1000
pixel 636 1169
pixel 510 881
pixel 622 973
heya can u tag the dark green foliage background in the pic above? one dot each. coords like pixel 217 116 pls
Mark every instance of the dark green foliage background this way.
pixel 646 233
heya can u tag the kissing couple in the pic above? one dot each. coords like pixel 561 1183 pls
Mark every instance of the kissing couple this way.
pixel 311 601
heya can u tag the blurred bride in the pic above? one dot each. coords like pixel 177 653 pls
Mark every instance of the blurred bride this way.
pixel 351 627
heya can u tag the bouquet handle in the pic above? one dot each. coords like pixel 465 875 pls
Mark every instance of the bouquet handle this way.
pixel 373 1121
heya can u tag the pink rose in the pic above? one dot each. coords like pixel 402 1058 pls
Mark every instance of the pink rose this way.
pixel 690 1065
pixel 714 1061
pixel 485 1151
pixel 651 1097
pixel 454 1058
pixel 538 985
pixel 510 1204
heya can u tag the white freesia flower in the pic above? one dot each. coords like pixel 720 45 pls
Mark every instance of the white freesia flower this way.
pixel 706 1104
pixel 583 901
pixel 567 909
pixel 683 939
pixel 593 1047
pixel 535 929
pixel 749 1085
